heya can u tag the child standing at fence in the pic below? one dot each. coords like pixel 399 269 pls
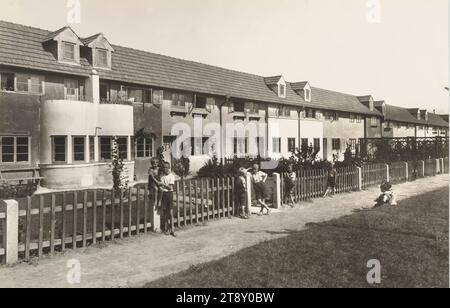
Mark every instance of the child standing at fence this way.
pixel 154 183
pixel 290 180
pixel 241 193
pixel 167 184
pixel 259 183
pixel 331 182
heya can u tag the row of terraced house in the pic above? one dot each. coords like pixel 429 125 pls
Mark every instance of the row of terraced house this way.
pixel 63 98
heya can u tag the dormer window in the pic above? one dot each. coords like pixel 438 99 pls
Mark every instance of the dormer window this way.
pixel 68 51
pixel 282 90
pixel 308 95
pixel 101 59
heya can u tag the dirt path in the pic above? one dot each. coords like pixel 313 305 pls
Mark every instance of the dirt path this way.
pixel 133 262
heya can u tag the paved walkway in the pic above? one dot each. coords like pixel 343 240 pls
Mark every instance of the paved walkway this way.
pixel 133 262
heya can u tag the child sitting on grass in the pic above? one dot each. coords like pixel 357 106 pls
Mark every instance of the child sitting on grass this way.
pixel 387 196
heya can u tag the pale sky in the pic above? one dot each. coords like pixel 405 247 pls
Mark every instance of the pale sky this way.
pixel 403 59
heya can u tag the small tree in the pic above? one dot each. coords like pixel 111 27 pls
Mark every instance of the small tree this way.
pixel 119 174
pixel 181 167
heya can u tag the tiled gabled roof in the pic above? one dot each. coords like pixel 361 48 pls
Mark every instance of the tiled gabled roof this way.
pixel 297 86
pixel 436 120
pixel 339 102
pixel 21 46
pixel 273 80
pixel 399 114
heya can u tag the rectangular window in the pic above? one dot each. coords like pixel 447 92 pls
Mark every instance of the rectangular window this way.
pixel 311 113
pixel 71 89
pixel 78 145
pixel 240 145
pixel 102 58
pixel 7 82
pixel 22 83
pixel 157 97
pixel 122 143
pixel 276 145
pixel 105 148
pixel 305 143
pixel 200 102
pixel 358 119
pixel 316 144
pixel 373 122
pixel 59 149
pixel 144 147
pixel 353 143
pixel 36 84
pixel 7 149
pixel 291 145
pixel 68 50
pixel 282 90
pixel 135 95
pixel 197 146
pixel 352 118
pixel 14 149
pixel 92 149
pixel 22 149
pixel 336 144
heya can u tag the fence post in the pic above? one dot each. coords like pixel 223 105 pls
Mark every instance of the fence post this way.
pixel 422 164
pixel 359 178
pixel 437 166
pixel 407 171
pixel 249 195
pixel 277 198
pixel 387 174
pixel 12 231
pixel 155 218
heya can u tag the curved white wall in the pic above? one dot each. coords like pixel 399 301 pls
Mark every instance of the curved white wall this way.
pixel 74 118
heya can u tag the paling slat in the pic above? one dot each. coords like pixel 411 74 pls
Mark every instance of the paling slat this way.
pixel 183 189
pixel 233 203
pixel 85 213
pixel 202 199
pixel 146 205
pixel 64 212
pixel 103 215
pixel 207 198
pixel 228 198
pixel 138 210
pixel 94 218
pixel 213 198
pixel 121 213
pixel 41 224
pixel 52 225
pixel 223 197
pixel 130 210
pixel 28 230
pixel 190 201
pixel 177 198
pixel 113 218
pixel 196 200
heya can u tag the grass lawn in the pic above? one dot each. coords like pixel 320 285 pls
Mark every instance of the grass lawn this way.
pixel 410 241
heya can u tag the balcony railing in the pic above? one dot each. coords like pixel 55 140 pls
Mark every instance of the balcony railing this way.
pixel 76 98
pixel 117 101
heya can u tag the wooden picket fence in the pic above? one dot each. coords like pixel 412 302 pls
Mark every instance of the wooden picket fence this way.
pixel 398 172
pixel 312 184
pixel 55 222
pixel 59 221
pixel 373 174
pixel 201 200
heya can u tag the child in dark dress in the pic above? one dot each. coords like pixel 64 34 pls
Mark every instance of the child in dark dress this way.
pixel 290 180
pixel 331 182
